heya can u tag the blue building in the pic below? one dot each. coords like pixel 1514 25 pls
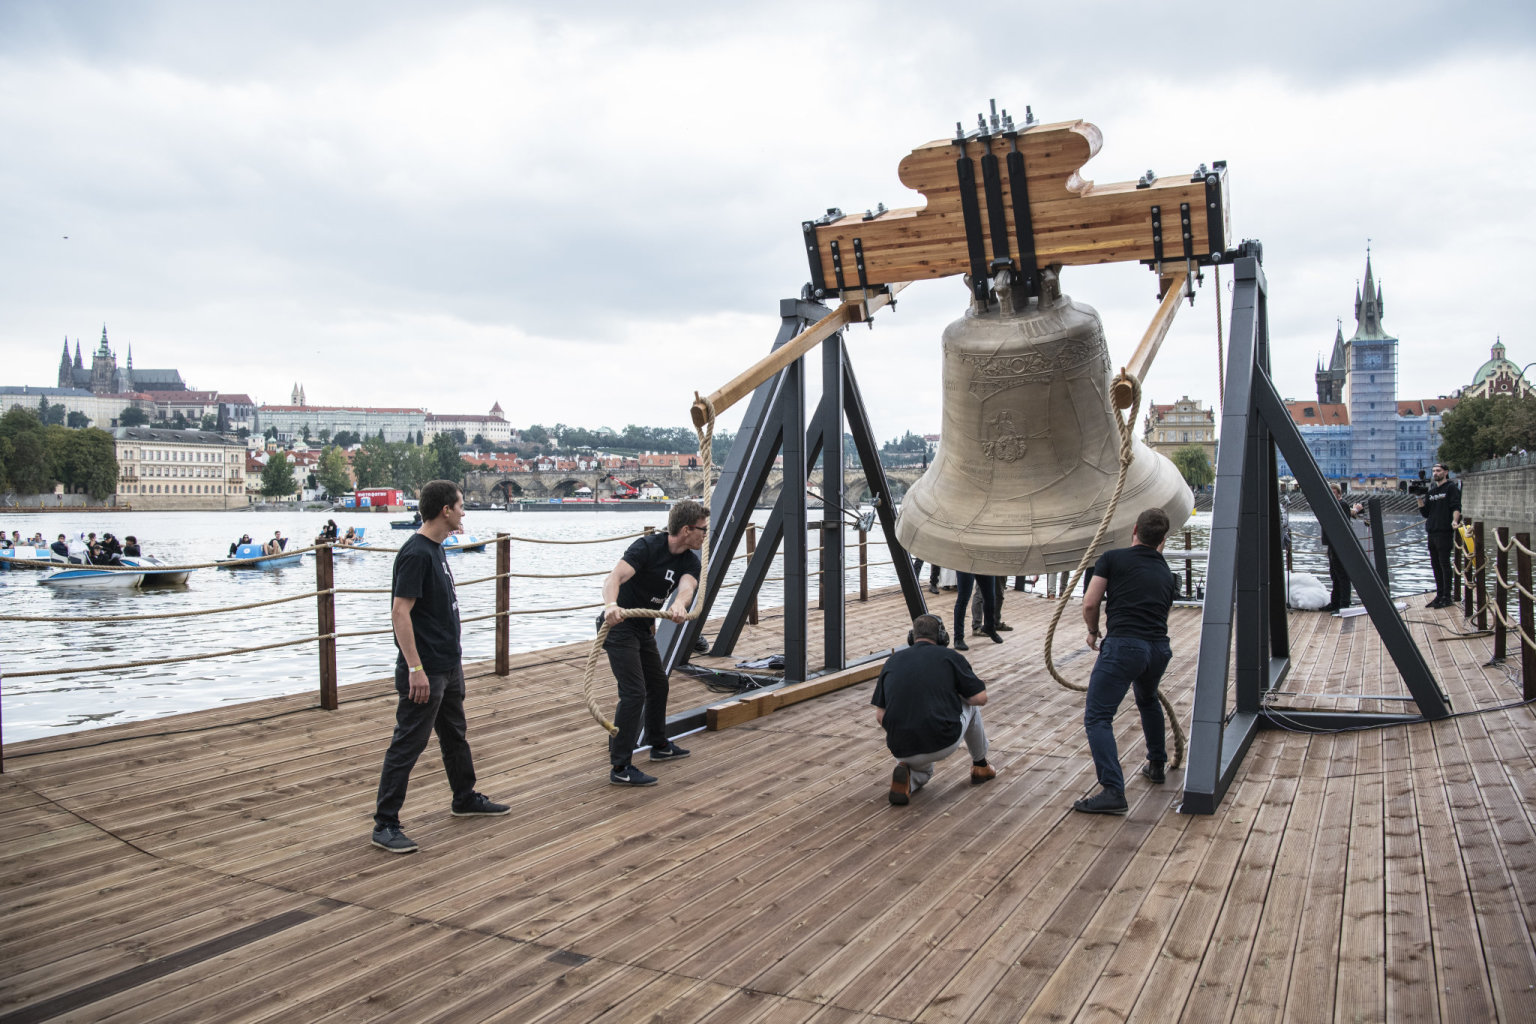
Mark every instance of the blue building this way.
pixel 1358 430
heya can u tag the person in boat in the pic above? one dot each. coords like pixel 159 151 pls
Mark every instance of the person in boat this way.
pixel 15 538
pixel 656 566
pixel 429 672
pixel 5 542
pixel 329 532
pixel 245 538
pixel 276 545
pixel 37 540
pixel 349 538
pixel 131 549
pixel 1140 589
pixel 111 550
pixel 416 519
pixel 928 700
pixel 60 547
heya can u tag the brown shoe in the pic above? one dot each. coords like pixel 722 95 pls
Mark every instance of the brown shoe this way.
pixel 982 773
pixel 901 785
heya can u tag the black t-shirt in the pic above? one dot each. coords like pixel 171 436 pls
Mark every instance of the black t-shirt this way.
pixel 923 691
pixel 421 571
pixel 1140 590
pixel 657 573
pixel 1439 504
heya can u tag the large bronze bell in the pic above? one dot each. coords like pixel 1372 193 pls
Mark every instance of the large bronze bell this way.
pixel 1029 450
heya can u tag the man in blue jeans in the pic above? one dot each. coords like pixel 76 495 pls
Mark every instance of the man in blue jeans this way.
pixel 1140 589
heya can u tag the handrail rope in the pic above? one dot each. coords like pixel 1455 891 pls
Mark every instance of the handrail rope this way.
pixel 163 615
pixel 706 434
pixel 1126 424
pixel 166 661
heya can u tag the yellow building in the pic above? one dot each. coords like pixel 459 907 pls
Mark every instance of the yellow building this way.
pixel 1171 427
pixel 179 470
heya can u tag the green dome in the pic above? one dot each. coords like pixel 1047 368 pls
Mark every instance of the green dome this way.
pixel 1495 366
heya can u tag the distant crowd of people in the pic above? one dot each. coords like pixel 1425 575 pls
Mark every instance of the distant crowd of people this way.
pixel 93 550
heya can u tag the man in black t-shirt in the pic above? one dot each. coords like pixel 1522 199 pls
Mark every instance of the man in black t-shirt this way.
pixel 655 566
pixel 928 700
pixel 1441 508
pixel 429 671
pixel 1140 589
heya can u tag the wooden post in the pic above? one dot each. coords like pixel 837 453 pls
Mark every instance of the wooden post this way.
pixel 863 564
pixel 1527 619
pixel 1468 568
pixel 1501 595
pixel 325 599
pixel 751 549
pixel 503 603
pixel 1481 558
pixel 1189 574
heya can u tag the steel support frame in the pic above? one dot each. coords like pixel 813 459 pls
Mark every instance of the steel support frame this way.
pixel 774 424
pixel 1245 534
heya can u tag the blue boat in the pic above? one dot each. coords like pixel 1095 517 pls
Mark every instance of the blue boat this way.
pixel 465 542
pixel 251 556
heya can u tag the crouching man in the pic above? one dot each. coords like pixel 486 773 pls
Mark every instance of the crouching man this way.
pixel 927 699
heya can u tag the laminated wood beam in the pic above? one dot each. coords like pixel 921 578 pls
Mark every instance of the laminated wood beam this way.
pixel 1075 222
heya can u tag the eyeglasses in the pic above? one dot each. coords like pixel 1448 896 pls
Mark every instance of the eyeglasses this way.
pixel 701 529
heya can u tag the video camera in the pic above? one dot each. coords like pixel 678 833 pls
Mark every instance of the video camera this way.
pixel 1419 486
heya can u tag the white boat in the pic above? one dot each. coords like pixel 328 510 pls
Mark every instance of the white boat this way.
pixel 465 542
pixel 154 575
pixel 94 577
pixel 27 553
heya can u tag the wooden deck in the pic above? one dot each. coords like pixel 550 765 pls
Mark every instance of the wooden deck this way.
pixel 216 866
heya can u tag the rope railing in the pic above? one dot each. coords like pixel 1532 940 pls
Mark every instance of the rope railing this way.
pixel 148 663
pixel 165 615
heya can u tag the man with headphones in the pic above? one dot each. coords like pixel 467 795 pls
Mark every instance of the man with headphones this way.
pixel 928 700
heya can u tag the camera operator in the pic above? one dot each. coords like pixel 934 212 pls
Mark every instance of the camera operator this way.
pixel 1440 505
pixel 1340 598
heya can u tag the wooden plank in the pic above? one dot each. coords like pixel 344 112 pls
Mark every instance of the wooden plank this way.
pixel 732 713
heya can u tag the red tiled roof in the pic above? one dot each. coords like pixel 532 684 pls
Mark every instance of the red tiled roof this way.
pixel 1318 414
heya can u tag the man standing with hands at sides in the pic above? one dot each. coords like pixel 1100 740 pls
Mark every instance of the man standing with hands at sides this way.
pixel 1441 508
pixel 1340 597
pixel 429 671
pixel 1140 588
pixel 928 700
pixel 655 566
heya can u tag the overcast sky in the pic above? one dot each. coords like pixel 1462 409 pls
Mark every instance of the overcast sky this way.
pixel 588 216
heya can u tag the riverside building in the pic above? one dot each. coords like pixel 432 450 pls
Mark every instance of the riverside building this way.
pixel 179 470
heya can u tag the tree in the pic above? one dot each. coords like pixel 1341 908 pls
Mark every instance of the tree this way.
pixel 1487 428
pixel 132 416
pixel 346 438
pixel 304 433
pixel 27 461
pixel 370 464
pixel 77 421
pixel 481 444
pixel 210 421
pixel 444 462
pixel 179 421
pixel 1194 465
pixel 49 415
pixel 333 474
pixel 270 434
pixel 277 476
pixel 84 460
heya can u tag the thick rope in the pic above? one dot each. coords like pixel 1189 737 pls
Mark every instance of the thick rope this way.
pixel 163 615
pixel 1126 424
pixel 706 444
pixel 166 661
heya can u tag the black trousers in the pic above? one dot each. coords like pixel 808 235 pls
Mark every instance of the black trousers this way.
pixel 933 571
pixel 966 582
pixel 1341 594
pixel 1440 542
pixel 636 665
pixel 414 725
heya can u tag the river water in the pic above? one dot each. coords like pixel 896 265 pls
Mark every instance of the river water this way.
pixel 46 705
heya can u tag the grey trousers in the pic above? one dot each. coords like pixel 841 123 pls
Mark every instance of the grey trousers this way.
pixel 972 734
pixel 976 612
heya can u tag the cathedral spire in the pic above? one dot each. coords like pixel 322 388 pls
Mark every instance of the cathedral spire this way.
pixel 1368 305
pixel 78 364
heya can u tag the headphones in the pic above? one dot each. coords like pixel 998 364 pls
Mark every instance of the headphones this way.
pixel 942 641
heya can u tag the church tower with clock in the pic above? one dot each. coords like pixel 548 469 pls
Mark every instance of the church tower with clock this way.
pixel 1370 387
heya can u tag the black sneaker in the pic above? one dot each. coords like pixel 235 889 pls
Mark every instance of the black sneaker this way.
pixel 701 645
pixel 901 785
pixel 1152 771
pixel 478 804
pixel 392 839
pixel 629 775
pixel 991 634
pixel 1104 802
pixel 961 645
pixel 669 752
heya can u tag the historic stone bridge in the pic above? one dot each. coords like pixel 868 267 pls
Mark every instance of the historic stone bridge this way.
pixel 676 483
